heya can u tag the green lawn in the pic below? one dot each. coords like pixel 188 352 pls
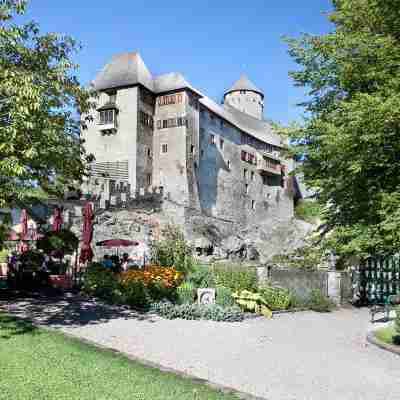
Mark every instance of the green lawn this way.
pixel 386 335
pixel 39 365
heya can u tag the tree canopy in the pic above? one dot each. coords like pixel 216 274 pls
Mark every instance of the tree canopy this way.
pixel 350 138
pixel 41 101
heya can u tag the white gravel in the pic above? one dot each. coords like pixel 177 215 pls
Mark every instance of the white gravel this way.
pixel 302 356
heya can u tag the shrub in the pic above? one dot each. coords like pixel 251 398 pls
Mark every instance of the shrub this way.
pixel 276 298
pixel 173 250
pixel 309 211
pixel 319 302
pixel 253 302
pixel 160 283
pixel 201 277
pixel 135 294
pixel 186 293
pixel 169 277
pixel 61 242
pixel 235 277
pixel 100 282
pixel 224 296
pixel 212 312
pixel 298 302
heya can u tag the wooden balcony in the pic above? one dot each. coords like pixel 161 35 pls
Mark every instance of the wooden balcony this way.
pixel 268 165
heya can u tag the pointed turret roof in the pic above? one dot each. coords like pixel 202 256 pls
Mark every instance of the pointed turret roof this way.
pixel 244 83
pixel 124 70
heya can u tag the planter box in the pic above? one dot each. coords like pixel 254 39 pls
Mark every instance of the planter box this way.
pixel 60 281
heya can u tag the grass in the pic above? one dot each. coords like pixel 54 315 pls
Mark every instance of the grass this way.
pixel 38 364
pixel 387 335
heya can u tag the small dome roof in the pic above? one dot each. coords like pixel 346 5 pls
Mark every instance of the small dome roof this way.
pixel 244 83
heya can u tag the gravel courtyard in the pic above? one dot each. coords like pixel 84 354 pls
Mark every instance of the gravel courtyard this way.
pixel 302 356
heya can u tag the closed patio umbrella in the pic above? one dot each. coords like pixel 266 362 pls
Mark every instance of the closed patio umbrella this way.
pixel 22 247
pixel 87 235
pixel 57 220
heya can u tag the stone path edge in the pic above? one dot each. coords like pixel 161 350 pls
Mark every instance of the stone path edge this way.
pixel 371 338
pixel 146 363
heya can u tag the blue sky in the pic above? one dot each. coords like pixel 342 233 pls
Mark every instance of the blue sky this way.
pixel 210 42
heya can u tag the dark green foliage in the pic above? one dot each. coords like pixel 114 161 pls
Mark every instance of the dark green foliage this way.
pixel 223 296
pixel 235 277
pixel 351 131
pixel 309 211
pixel 201 277
pixel 32 259
pixel 134 295
pixel 319 302
pixel 276 298
pixel 63 242
pixel 186 293
pixel 194 311
pixel 100 282
pixel 41 107
pixel 173 250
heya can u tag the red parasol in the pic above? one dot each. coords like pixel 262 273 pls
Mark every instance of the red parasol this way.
pixel 117 243
pixel 57 220
pixel 87 234
pixel 24 224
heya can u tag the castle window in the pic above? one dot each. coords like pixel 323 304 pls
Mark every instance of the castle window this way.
pixel 246 188
pixel 243 155
pixel 228 163
pixel 221 143
pixel 148 152
pixel 182 121
pixel 171 122
pixel 212 139
pixel 253 205
pixel 149 179
pixel 179 98
pixel 202 153
pixel 107 116
pixel 146 119
pixel 164 148
pixel 192 149
pixel 252 176
pixel 159 124
pixel 242 92
pixel 245 174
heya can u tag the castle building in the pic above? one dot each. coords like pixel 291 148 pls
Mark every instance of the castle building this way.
pixel 159 134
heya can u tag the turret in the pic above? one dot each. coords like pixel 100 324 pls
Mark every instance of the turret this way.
pixel 246 97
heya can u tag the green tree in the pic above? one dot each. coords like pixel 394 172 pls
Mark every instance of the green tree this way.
pixel 41 102
pixel 351 133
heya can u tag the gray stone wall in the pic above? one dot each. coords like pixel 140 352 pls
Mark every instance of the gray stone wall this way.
pixel 333 284
pixel 170 168
pixel 122 145
pixel 145 150
pixel 224 190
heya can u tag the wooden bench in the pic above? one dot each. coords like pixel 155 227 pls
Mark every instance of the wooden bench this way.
pixel 390 304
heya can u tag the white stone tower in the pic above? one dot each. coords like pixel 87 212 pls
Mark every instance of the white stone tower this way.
pixel 246 97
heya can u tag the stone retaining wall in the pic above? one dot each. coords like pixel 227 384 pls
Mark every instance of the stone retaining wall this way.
pixel 336 285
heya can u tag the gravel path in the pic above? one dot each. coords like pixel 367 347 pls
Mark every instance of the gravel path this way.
pixel 303 356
